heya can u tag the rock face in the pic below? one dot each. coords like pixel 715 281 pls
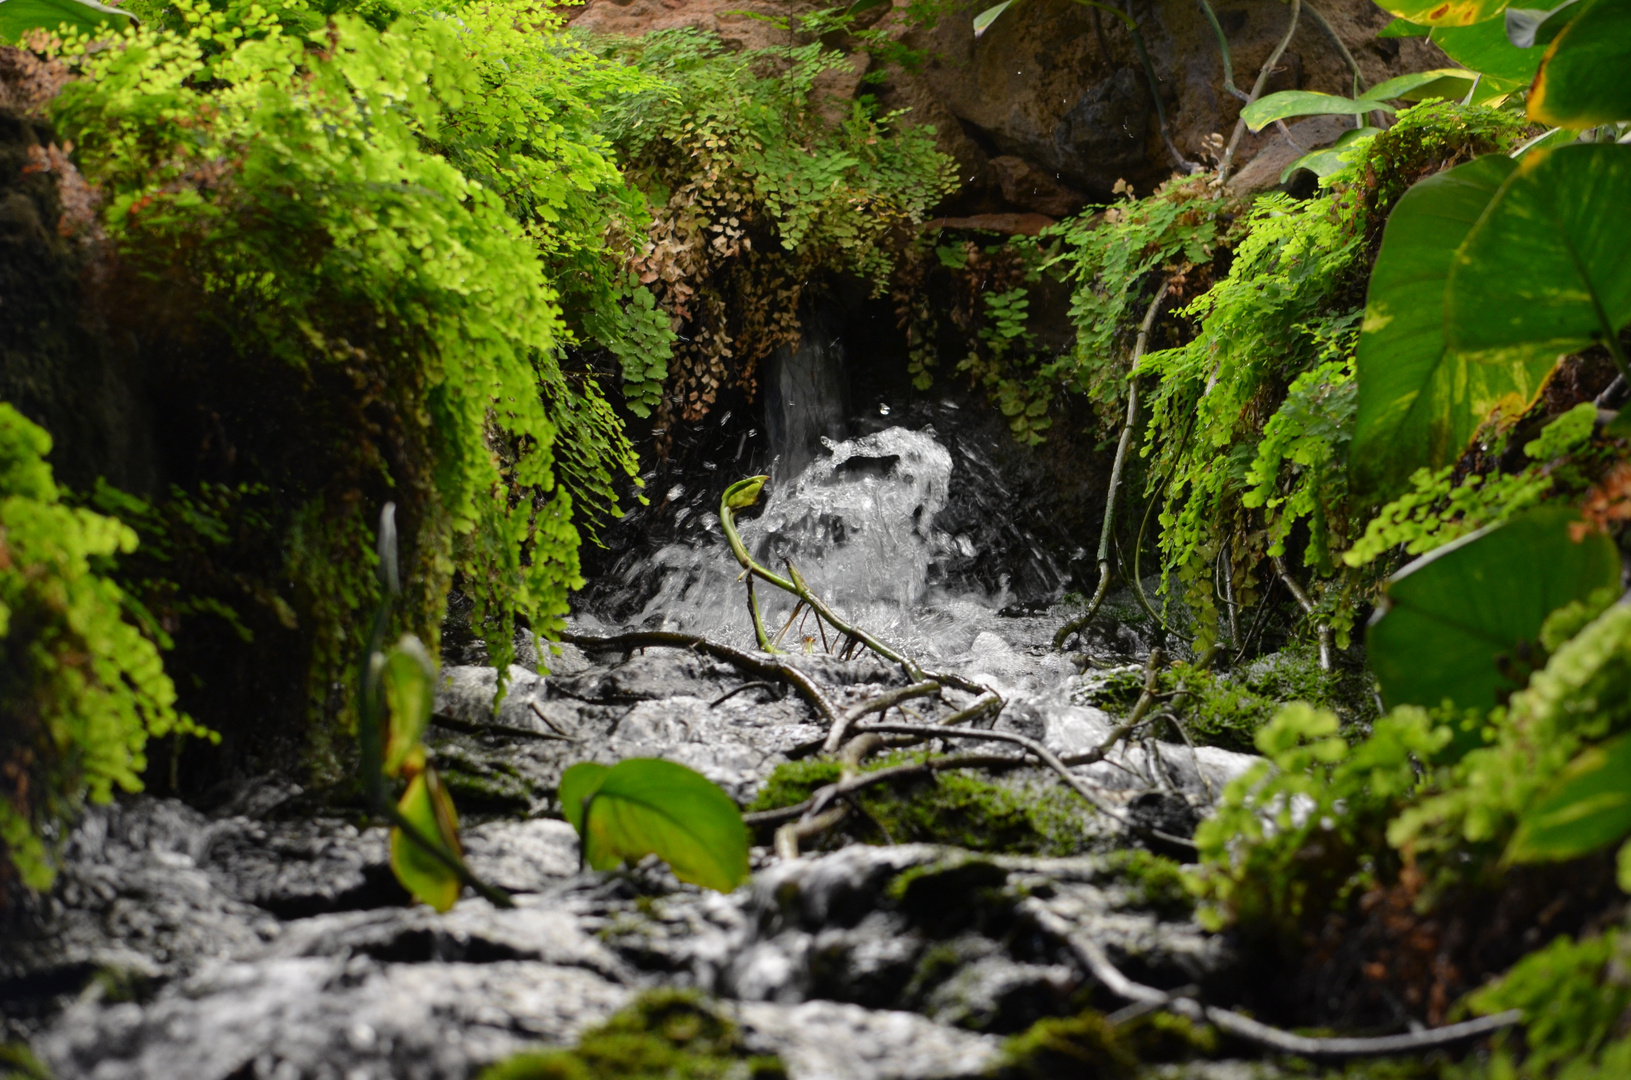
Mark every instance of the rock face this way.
pixel 1051 106
pixel 260 941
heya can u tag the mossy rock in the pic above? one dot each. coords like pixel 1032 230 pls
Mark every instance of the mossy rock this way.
pixel 961 809
pixel 1089 1047
pixel 663 1035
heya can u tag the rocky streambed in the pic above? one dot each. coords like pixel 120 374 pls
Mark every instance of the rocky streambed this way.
pixel 266 938
pixel 263 941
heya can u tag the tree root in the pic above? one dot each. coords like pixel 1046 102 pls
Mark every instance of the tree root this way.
pixel 641 639
pixel 1244 1027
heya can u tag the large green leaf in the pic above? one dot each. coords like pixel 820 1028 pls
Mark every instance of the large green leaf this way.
pixel 1547 270
pixel 1288 103
pixel 578 786
pixel 1455 618
pixel 426 806
pixel 1483 47
pixel 1589 808
pixel 1418 406
pixel 1586 77
pixel 1444 12
pixel 1407 86
pixel 20 16
pixel 649 806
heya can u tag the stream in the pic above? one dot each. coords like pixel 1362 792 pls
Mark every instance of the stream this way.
pixel 266 938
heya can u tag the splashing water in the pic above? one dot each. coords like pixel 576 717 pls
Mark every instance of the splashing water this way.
pixel 859 526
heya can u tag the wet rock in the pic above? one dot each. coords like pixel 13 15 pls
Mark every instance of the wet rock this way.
pixel 321 1017
pixel 132 898
pixel 297 868
pixel 825 1040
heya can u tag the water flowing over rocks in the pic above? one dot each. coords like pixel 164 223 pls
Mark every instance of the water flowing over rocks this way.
pixel 268 938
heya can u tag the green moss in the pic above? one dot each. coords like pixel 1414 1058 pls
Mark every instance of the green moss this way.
pixel 1155 882
pixel 1087 1045
pixel 1426 139
pixel 954 807
pixel 663 1035
pixel 481 784
pixel 1226 709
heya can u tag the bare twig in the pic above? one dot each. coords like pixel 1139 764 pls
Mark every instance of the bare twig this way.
pixel 1141 708
pixel 453 723
pixel 727 695
pixel 1257 92
pixel 1321 630
pixel 1244 1027
pixel 775 669
pixel 1080 623
pixel 880 704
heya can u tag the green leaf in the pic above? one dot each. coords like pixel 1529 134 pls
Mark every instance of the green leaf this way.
pixel 1403 28
pixel 1547 270
pixel 1484 47
pixel 864 5
pixel 1589 808
pixel 428 809
pixel 983 21
pixel 1418 406
pixel 1404 85
pixel 744 493
pixel 1444 12
pixel 85 16
pixel 1586 77
pixel 1455 618
pixel 1323 163
pixel 410 690
pixel 650 806
pixel 578 786
pixel 1287 103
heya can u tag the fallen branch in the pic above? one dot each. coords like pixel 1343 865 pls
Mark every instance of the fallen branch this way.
pixel 641 639
pixel 1244 1027
pixel 880 704
pixel 1080 623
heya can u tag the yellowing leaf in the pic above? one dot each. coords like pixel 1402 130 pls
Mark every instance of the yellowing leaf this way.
pixel 426 806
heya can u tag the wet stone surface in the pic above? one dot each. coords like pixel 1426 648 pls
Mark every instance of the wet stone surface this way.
pixel 261 941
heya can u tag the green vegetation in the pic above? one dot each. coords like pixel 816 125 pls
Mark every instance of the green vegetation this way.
pixel 951 807
pixel 82 689
pixel 305 201
pixel 1088 1044
pixel 663 1035
pixel 644 806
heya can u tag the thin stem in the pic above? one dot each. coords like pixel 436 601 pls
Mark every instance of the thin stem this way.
pixel 1080 623
pixel 1223 50
pixel 1257 91
pixel 1321 630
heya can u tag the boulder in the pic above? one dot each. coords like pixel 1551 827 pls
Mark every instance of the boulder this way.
pixel 1051 107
